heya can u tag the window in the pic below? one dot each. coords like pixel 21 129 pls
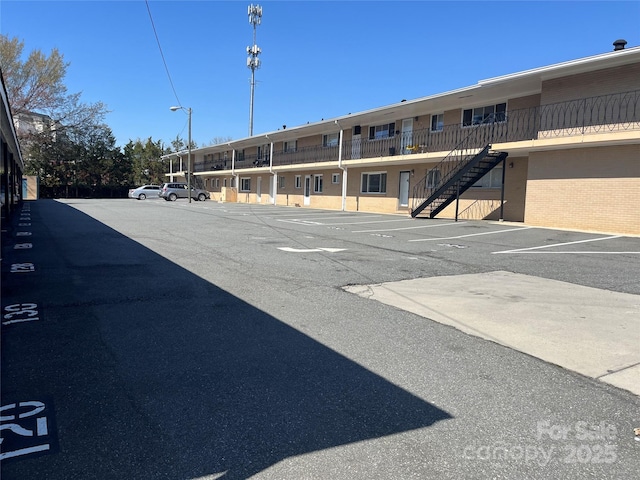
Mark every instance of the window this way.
pixel 317 184
pixel 437 122
pixel 240 156
pixel 217 183
pixel 488 114
pixel 374 183
pixel 382 131
pixel 330 140
pixel 298 182
pixel 245 184
pixel 493 179
pixel 280 181
pixel 335 178
pixel 224 183
pixel 433 178
pixel 290 146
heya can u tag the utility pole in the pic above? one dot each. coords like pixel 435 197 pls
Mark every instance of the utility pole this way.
pixel 253 62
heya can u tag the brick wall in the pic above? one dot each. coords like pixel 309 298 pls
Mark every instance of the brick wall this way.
pixel 592 84
pixel 595 189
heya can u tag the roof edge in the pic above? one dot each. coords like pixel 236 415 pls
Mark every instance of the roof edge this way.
pixel 550 69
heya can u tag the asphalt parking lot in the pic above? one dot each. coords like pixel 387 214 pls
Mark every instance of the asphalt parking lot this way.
pixel 203 340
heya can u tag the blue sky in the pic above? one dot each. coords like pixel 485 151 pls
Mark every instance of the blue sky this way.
pixel 320 59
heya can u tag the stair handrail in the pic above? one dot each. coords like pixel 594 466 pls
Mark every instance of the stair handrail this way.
pixel 453 161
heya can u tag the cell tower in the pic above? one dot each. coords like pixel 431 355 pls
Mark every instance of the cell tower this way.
pixel 253 62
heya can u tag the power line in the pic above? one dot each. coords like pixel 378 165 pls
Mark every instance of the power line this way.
pixel 161 53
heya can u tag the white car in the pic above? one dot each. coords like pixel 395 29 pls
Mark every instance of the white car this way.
pixel 145 191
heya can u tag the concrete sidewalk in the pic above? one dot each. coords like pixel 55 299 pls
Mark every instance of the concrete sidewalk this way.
pixel 587 330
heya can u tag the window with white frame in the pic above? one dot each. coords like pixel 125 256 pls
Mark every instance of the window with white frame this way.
pixel 433 178
pixel 290 146
pixel 245 184
pixel 280 181
pixel 437 122
pixel 493 179
pixel 488 114
pixel 298 182
pixel 217 183
pixel 335 178
pixel 374 182
pixel 224 183
pixel 378 132
pixel 330 140
pixel 317 184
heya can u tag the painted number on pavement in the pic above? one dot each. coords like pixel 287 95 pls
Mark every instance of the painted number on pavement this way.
pixel 22 267
pixel 20 312
pixel 25 429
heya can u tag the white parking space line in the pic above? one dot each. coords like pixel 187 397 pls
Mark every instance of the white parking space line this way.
pixel 540 247
pixel 313 220
pixel 576 252
pixel 309 250
pixel 371 221
pixel 470 235
pixel 333 217
pixel 407 228
pixel 323 215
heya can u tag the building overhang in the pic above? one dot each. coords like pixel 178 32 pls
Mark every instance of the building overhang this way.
pixel 485 92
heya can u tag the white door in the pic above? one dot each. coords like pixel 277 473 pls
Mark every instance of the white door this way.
pixel 307 190
pixel 407 134
pixel 403 196
pixel 355 142
pixel 259 190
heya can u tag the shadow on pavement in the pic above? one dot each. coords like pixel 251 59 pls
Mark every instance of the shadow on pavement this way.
pixel 156 373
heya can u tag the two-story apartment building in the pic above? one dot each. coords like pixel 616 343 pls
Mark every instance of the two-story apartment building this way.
pixel 556 146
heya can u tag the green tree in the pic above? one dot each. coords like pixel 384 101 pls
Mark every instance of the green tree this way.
pixel 67 145
pixel 54 160
pixel 99 159
pixel 179 145
pixel 146 162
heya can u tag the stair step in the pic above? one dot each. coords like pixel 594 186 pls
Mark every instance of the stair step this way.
pixel 467 173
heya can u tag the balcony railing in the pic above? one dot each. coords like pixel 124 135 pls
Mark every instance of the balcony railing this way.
pixel 602 114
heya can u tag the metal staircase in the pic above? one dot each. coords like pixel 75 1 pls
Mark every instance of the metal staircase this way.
pixel 457 172
pixel 196 181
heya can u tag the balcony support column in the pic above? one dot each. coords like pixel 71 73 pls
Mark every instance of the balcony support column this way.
pixel 344 170
pixel 234 177
pixel 504 167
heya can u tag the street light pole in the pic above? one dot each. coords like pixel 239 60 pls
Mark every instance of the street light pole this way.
pixel 188 110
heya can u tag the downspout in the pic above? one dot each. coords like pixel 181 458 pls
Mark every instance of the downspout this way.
pixel 233 166
pixel 344 169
